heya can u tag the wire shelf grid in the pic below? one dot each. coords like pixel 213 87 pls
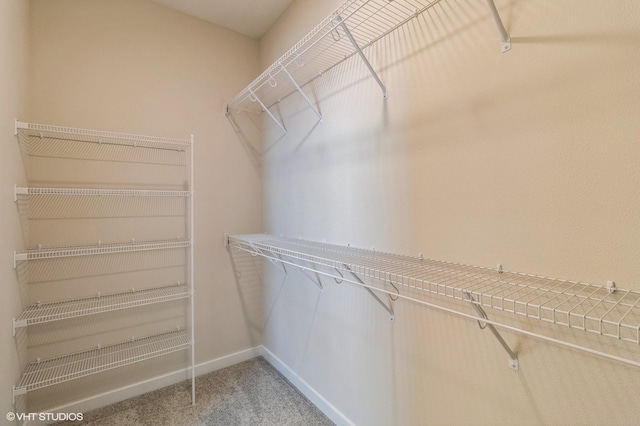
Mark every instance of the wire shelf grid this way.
pixel 576 305
pixel 96 136
pixel 98 249
pixel 326 45
pixel 42 373
pixel 39 313
pixel 43 142
pixel 99 192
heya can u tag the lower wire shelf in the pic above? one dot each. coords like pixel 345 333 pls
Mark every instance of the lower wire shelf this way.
pixel 43 373
pixel 39 313
pixel 602 310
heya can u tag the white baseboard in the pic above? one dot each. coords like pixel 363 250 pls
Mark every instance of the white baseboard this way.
pixel 136 389
pixel 312 395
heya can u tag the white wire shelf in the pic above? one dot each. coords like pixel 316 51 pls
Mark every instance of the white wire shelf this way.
pixel 43 373
pixel 602 310
pixel 39 313
pixel 98 192
pixel 95 136
pixel 97 249
pixel 348 31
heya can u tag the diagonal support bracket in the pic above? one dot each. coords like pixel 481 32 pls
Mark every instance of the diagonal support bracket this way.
pixel 375 296
pixel 505 39
pixel 513 358
pixel 306 98
pixel 254 98
pixel 279 266
pixel 353 41
pixel 315 281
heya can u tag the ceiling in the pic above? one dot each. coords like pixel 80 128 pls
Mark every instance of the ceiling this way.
pixel 252 18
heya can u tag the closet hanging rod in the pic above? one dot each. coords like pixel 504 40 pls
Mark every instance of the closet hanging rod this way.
pixel 602 310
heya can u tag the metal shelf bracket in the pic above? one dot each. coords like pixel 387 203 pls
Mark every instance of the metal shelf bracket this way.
pixel 19 125
pixel 299 89
pixel 389 309
pixel 18 257
pixel 513 358
pixel 258 252
pixel 315 281
pixel 254 98
pixel 18 392
pixel 18 324
pixel 385 94
pixel 505 39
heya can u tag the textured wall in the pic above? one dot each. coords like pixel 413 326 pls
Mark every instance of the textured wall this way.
pixel 527 158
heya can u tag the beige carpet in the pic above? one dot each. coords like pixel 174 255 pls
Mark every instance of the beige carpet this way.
pixel 249 393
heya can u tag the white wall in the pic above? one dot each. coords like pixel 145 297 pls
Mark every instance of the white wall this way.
pixel 14 76
pixel 138 67
pixel 527 158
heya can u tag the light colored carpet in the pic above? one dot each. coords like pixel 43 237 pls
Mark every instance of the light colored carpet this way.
pixel 249 393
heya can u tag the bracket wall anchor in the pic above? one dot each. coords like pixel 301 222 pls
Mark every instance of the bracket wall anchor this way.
pixel 513 358
pixel 375 296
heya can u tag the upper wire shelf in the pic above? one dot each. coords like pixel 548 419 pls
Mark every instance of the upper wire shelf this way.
pixel 348 31
pixel 72 134
pixel 43 373
pixel 40 313
pixel 602 310
pixel 42 142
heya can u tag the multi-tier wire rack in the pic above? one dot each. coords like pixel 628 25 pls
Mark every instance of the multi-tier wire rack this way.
pixel 349 31
pixel 599 310
pixel 42 142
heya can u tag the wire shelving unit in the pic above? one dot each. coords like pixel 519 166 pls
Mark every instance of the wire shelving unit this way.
pixel 347 32
pixel 107 150
pixel 601 310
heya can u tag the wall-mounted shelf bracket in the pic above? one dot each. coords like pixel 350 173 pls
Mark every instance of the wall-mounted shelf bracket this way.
pixel 389 309
pixel 385 94
pixel 19 125
pixel 19 191
pixel 299 89
pixel 505 39
pixel 513 358
pixel 254 98
pixel 18 324
pixel 18 257
pixel 304 271
pixel 278 265
pixel 18 392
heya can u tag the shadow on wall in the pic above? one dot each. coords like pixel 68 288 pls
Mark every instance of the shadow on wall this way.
pixel 247 272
